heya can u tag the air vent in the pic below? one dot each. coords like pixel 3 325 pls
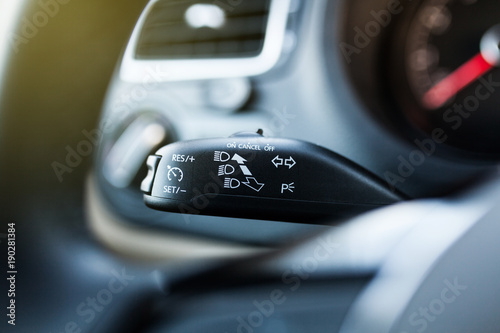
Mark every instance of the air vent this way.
pixel 199 30
pixel 180 40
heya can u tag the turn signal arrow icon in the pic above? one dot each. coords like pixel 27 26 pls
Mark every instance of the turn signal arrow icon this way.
pixel 277 161
pixel 289 162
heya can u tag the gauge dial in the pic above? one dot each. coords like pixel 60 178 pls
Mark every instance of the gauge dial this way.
pixel 450 68
pixel 175 173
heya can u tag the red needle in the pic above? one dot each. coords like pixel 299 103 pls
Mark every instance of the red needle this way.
pixel 456 81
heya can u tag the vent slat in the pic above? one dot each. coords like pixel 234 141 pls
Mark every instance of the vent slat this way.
pixel 238 30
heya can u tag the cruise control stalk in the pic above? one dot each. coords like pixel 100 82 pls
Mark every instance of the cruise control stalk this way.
pixel 251 176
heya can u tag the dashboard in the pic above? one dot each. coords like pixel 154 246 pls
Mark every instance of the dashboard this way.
pixel 350 65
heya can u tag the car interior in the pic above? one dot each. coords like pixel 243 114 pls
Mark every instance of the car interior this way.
pixel 250 166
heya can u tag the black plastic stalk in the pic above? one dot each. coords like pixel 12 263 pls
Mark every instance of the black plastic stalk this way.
pixel 251 176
